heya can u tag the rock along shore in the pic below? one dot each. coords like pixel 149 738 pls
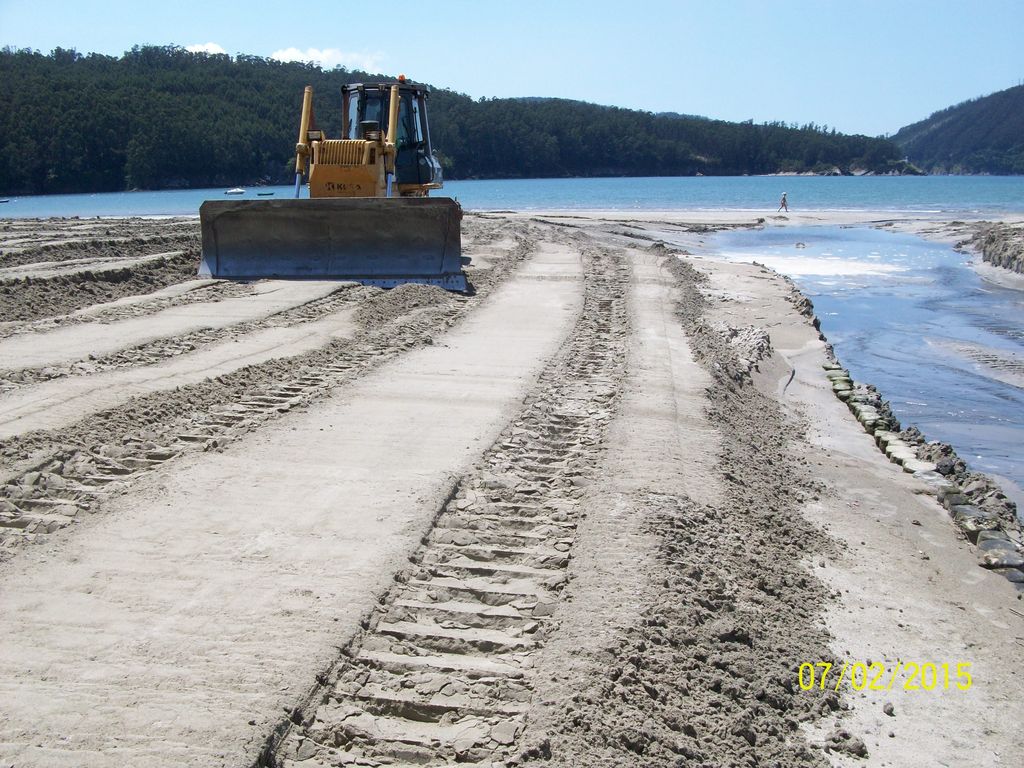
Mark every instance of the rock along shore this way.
pixel 978 506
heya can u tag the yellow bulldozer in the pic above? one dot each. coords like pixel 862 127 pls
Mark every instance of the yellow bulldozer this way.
pixel 367 218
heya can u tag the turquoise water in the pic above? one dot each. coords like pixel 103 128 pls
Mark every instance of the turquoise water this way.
pixel 969 194
pixel 945 347
pixel 926 193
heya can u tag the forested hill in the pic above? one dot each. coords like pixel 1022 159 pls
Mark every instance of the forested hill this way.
pixel 984 135
pixel 161 117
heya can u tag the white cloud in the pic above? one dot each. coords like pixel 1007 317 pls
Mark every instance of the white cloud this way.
pixel 205 48
pixel 329 58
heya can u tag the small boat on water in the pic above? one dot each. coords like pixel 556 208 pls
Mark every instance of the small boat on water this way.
pixel 264 194
pixel 234 191
pixel 5 201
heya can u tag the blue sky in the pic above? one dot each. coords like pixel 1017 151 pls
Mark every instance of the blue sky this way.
pixel 861 66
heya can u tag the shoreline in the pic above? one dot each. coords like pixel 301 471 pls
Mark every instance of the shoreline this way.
pixel 958 232
pixel 977 501
pixel 960 235
pixel 1000 276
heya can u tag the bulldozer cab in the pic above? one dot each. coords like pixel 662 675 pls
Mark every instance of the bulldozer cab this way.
pixel 366 109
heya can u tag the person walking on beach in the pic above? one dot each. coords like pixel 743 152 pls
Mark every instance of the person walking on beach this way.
pixel 783 204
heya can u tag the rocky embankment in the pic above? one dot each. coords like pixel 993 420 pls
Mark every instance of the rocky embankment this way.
pixel 1001 245
pixel 979 508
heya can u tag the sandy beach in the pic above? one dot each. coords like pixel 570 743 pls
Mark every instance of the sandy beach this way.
pixel 605 510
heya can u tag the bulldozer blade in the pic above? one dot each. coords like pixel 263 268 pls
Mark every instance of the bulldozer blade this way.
pixel 376 241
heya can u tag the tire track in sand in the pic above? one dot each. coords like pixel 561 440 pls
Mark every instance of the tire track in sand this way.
pixel 176 294
pixel 30 241
pixel 173 345
pixel 65 345
pixel 48 285
pixel 51 478
pixel 442 673
pixel 215 583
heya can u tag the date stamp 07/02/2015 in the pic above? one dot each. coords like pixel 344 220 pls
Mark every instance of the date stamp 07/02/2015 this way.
pixel 905 675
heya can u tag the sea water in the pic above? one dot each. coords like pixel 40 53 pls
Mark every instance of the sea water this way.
pixel 971 195
pixel 943 345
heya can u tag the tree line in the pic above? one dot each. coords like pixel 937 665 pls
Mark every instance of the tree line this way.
pixel 162 117
pixel 983 135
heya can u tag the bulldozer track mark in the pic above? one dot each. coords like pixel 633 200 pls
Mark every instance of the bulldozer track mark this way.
pixel 158 350
pixel 442 672
pixel 198 295
pixel 28 241
pixel 71 472
pixel 58 297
